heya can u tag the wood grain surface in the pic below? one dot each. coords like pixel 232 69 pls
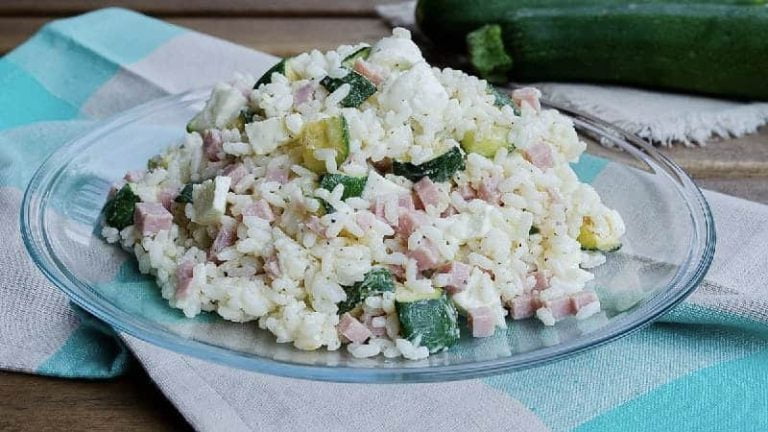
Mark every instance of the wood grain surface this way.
pixel 282 27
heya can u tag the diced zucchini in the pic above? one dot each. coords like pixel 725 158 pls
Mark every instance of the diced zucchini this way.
pixel 353 187
pixel 185 195
pixel 439 169
pixel 329 133
pixel 282 67
pixel 209 200
pixel 362 53
pixel 375 282
pixel 118 211
pixel 500 97
pixel 606 240
pixel 432 319
pixel 360 89
pixel 486 145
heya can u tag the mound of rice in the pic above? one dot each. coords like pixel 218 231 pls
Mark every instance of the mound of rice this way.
pixel 501 237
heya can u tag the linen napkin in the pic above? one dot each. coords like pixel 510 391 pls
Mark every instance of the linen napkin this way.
pixel 662 118
pixel 702 367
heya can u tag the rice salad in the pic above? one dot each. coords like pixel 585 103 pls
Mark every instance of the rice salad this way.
pixel 361 197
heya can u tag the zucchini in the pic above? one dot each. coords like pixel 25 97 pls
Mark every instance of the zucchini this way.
pixel 118 211
pixel 375 282
pixel 350 60
pixel 593 240
pixel 360 89
pixel 353 187
pixel 185 195
pixel 282 67
pixel 500 97
pixel 439 169
pixel 487 55
pixel 704 46
pixel 431 320
pixel 486 145
pixel 328 133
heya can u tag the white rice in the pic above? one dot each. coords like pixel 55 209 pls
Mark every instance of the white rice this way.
pixel 417 113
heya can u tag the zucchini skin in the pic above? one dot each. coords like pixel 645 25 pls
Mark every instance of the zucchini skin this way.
pixel 715 49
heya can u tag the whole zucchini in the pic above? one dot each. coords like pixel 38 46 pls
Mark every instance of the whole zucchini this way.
pixel 717 49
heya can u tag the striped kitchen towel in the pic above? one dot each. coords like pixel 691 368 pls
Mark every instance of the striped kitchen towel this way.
pixel 702 367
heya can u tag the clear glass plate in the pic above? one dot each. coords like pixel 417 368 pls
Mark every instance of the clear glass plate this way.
pixel 667 250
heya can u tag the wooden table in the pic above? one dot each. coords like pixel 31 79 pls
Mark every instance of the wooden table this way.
pixel 738 167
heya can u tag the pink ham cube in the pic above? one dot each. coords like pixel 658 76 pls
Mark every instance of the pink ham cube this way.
pixel 482 321
pixel 277 174
pixel 523 306
pixel 151 218
pixel 260 209
pixel 410 220
pixel 428 193
pixel 352 329
pixel 489 190
pixel 527 96
pixel 582 299
pixel 427 256
pixel 225 237
pixel 303 94
pixel 458 274
pixel 213 145
pixel 560 307
pixel 272 267
pixel 184 275
pixel 236 172
pixel 540 155
pixel 166 196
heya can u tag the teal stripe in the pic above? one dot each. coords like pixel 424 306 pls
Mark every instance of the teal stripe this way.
pixel 92 351
pixel 731 396
pixel 589 167
pixel 568 393
pixel 24 100
pixel 70 59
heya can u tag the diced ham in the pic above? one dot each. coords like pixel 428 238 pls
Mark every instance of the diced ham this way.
pixel 489 190
pixel 523 306
pixel 225 237
pixel 236 172
pixel 409 221
pixel 315 226
pixel 582 299
pixel 352 329
pixel 560 307
pixel 272 267
pixel 166 196
pixel 151 218
pixel 277 174
pixel 541 281
pixel 213 145
pixel 482 321
pixel 527 95
pixel 261 209
pixel 135 176
pixel 428 192
pixel 427 255
pixel 458 274
pixel 303 94
pixel 540 155
pixel 374 323
pixel 467 192
pixel 184 274
pixel 404 202
pixel 450 211
pixel 367 70
pixel 365 220
pixel 397 271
